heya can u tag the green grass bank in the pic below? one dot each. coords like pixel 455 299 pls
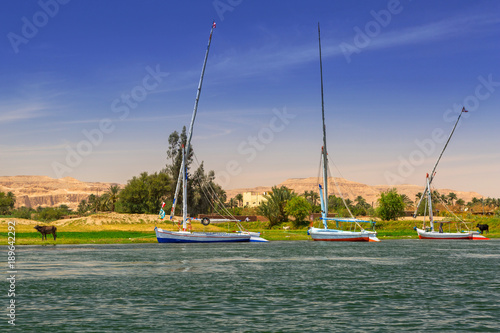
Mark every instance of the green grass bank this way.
pixel 127 228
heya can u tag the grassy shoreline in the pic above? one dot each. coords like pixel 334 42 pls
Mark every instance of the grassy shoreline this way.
pixel 126 229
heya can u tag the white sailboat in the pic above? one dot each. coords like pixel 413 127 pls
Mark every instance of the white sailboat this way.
pixel 185 234
pixel 325 233
pixel 430 232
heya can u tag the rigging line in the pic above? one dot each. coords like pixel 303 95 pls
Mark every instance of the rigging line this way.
pixel 213 194
pixel 425 211
pixel 345 203
pixel 208 196
pixel 341 175
pixel 449 211
pixel 319 169
pixel 203 188
pixel 433 173
pixel 191 125
pixel 209 191
pixel 341 195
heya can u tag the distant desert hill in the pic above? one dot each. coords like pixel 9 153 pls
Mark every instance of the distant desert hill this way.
pixel 351 189
pixel 34 191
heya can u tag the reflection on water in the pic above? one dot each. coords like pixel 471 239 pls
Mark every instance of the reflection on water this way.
pixel 278 286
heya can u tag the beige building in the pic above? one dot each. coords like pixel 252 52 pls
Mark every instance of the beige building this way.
pixel 253 199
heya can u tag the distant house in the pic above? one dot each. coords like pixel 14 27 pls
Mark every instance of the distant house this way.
pixel 253 199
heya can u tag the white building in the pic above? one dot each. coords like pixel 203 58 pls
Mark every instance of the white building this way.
pixel 253 199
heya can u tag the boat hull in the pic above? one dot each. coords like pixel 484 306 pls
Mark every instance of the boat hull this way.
pixel 165 236
pixel 422 234
pixel 333 235
pixel 254 236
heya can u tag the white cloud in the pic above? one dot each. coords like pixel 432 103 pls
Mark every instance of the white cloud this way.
pixel 15 113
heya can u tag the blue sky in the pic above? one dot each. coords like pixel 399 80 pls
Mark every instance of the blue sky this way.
pixel 92 89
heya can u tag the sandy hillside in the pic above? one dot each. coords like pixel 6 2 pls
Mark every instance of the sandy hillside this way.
pixel 351 189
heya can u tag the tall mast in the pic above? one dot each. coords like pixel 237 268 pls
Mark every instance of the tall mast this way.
pixel 184 189
pixel 195 109
pixel 429 200
pixel 429 181
pixel 324 151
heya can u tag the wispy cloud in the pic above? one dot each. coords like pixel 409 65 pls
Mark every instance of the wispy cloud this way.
pixel 260 61
pixel 19 150
pixel 449 28
pixel 12 113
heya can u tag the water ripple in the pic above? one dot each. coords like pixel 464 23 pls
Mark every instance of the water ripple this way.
pixel 275 287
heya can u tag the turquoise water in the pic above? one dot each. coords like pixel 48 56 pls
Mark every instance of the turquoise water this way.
pixel 398 285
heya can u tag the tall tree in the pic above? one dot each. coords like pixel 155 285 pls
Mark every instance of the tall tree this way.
pixel 205 195
pixel 407 201
pixel 390 205
pixel 144 194
pixel 233 203
pixel 94 202
pixel 7 202
pixel 451 197
pixel 82 207
pixel 174 153
pixel 299 208
pixel 460 203
pixel 312 197
pixel 239 197
pixel 113 196
pixel 361 207
pixel 274 206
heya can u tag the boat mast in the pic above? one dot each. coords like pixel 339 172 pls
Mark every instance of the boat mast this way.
pixel 195 109
pixel 184 190
pixel 429 200
pixel 323 150
pixel 428 184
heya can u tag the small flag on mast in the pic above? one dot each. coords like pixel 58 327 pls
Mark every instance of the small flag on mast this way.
pixel 213 25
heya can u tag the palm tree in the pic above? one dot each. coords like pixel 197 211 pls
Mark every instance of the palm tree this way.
pixel 104 202
pixel 417 197
pixel 113 195
pixel 312 197
pixel 239 197
pixel 460 203
pixel 444 198
pixel 435 197
pixel 452 196
pixel 407 201
pixel 82 207
pixel 488 202
pixel 233 202
pixel 94 202
pixel 361 202
pixel 274 207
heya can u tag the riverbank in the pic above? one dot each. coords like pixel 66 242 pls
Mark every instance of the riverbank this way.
pixel 116 228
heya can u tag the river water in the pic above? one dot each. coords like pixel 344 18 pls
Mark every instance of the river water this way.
pixel 394 285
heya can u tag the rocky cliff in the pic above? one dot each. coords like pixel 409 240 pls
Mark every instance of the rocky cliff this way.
pixel 351 189
pixel 34 191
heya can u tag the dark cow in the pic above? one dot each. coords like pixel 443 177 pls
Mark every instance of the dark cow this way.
pixel 44 230
pixel 483 227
